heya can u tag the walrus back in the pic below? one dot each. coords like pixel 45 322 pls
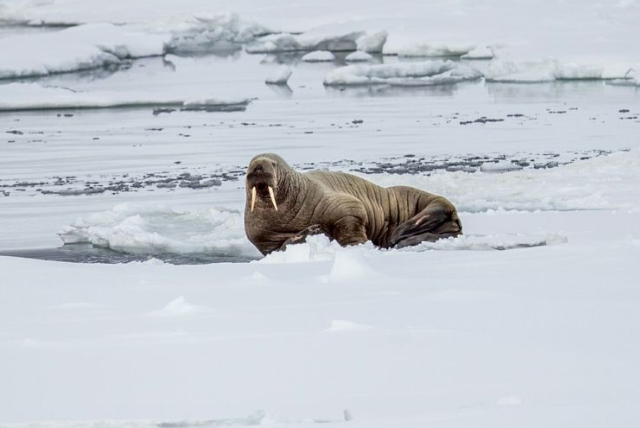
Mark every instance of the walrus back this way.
pixel 386 207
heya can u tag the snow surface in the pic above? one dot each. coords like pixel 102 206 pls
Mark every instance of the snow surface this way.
pixel 402 74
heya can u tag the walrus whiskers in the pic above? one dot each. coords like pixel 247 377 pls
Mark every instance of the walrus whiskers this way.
pixel 253 198
pixel 273 198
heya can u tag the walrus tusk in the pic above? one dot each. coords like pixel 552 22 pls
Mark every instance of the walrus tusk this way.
pixel 253 198
pixel 273 198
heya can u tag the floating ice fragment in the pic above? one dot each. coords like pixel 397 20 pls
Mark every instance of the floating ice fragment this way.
pixel 318 40
pixel 319 56
pixel 280 76
pixel 402 74
pixel 31 96
pixel 417 48
pixel 358 56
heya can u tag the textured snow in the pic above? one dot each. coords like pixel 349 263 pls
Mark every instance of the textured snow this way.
pixel 402 74
pixel 319 56
pixel 158 230
pixel 29 96
pixel 179 307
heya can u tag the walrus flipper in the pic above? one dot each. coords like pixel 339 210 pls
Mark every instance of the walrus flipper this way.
pixel 300 237
pixel 432 223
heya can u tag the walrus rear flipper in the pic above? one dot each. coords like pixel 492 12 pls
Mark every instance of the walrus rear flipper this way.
pixel 432 223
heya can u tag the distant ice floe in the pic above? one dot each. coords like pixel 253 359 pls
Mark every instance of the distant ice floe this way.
pixel 78 48
pixel 29 96
pixel 403 74
pixel 259 417
pixel 90 46
pixel 280 76
pixel 159 230
pixel 320 41
pixel 319 56
pixel 550 70
pixel 206 32
pixel 417 48
pixel 358 56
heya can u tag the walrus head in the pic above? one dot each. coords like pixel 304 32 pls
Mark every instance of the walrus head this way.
pixel 262 179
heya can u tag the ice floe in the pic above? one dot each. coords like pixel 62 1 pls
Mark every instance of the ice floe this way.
pixel 402 74
pixel 279 76
pixel 358 56
pixel 319 41
pixel 206 32
pixel 29 96
pixel 508 71
pixel 97 45
pixel 78 48
pixel 319 56
pixel 426 49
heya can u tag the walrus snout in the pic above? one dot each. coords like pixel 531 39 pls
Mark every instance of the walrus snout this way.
pixel 261 180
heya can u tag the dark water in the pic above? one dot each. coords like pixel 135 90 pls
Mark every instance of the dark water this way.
pixel 87 253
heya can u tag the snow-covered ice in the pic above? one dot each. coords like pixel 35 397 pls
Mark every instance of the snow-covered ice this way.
pixel 403 74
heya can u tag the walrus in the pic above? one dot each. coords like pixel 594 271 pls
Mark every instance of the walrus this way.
pixel 285 206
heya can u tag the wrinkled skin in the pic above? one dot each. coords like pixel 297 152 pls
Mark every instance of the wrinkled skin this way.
pixel 348 209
